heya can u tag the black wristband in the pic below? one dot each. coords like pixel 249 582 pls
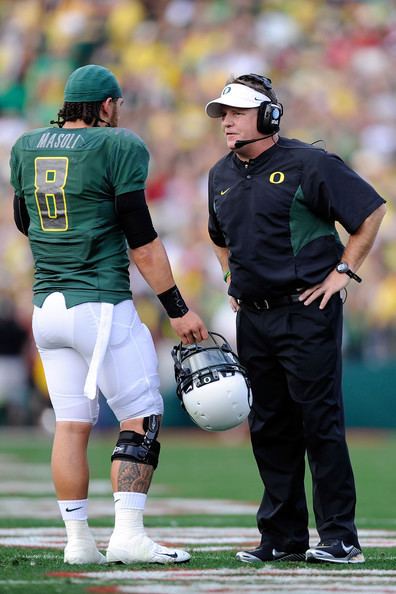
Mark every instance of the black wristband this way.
pixel 173 302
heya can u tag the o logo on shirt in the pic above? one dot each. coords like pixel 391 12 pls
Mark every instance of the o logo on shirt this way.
pixel 277 177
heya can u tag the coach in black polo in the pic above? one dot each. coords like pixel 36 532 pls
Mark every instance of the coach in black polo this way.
pixel 273 205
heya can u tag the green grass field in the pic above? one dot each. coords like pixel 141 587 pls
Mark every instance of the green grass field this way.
pixel 194 466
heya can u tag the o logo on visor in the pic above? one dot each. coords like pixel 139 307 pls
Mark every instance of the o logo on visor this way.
pixel 226 90
pixel 277 177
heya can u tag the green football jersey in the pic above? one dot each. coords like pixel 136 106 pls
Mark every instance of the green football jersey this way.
pixel 69 178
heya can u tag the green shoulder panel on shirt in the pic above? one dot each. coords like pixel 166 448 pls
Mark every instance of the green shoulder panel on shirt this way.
pixel 305 226
pixel 69 178
pixel 129 161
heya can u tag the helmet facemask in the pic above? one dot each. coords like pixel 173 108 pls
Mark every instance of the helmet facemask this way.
pixel 212 385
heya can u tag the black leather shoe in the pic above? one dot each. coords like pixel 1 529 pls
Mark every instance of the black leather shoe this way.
pixel 267 552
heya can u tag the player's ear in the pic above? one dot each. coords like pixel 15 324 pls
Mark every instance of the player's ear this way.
pixel 106 105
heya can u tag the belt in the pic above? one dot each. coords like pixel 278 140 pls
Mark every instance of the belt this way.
pixel 271 302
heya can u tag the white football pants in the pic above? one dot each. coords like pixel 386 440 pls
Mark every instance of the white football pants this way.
pixel 128 373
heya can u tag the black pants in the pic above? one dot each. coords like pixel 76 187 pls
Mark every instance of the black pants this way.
pixel 293 358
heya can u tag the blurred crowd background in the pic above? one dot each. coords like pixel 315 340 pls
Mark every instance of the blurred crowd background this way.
pixel 333 66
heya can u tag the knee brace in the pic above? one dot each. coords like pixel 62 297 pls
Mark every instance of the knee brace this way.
pixel 141 449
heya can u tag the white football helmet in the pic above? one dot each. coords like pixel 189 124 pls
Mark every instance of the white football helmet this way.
pixel 212 384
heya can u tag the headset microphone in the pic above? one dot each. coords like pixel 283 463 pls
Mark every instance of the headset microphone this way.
pixel 240 143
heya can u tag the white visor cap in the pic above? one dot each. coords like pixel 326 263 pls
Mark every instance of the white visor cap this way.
pixel 235 95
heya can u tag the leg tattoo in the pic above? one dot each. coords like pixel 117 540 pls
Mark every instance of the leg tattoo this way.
pixel 134 477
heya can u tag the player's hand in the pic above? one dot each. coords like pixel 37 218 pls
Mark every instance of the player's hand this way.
pixel 189 328
pixel 234 304
pixel 332 284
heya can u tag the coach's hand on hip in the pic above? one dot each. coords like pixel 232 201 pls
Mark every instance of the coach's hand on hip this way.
pixel 333 283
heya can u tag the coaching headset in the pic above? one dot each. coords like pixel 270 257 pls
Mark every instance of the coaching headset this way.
pixel 269 112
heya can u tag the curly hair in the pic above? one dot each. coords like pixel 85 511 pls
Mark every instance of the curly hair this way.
pixel 70 112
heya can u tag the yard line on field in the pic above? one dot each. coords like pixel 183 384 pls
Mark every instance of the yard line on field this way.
pixel 253 586
pixel 194 538
pixel 46 507
pixel 13 468
pixel 233 581
pixel 46 487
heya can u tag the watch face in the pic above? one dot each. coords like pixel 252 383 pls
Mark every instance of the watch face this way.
pixel 342 267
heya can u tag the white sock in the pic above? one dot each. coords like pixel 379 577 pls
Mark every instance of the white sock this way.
pixel 129 508
pixel 74 509
pixel 78 530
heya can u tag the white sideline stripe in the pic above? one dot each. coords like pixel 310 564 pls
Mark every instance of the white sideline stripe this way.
pixel 96 487
pixel 254 585
pixel 46 507
pixel 232 581
pixel 195 539
pixel 270 579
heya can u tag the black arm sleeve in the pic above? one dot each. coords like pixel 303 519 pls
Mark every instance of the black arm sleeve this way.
pixel 21 215
pixel 134 218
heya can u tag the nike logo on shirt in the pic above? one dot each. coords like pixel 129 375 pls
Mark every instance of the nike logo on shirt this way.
pixel 224 191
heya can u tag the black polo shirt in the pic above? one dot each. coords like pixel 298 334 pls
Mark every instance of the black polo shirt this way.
pixel 276 214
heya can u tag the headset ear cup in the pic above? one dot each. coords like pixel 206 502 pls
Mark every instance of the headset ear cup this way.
pixel 268 117
pixel 261 120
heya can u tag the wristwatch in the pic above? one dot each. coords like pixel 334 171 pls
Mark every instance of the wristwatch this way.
pixel 343 268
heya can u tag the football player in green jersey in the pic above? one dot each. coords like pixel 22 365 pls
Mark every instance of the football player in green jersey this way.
pixel 79 197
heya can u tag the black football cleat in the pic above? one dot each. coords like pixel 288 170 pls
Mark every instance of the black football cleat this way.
pixel 267 552
pixel 334 551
